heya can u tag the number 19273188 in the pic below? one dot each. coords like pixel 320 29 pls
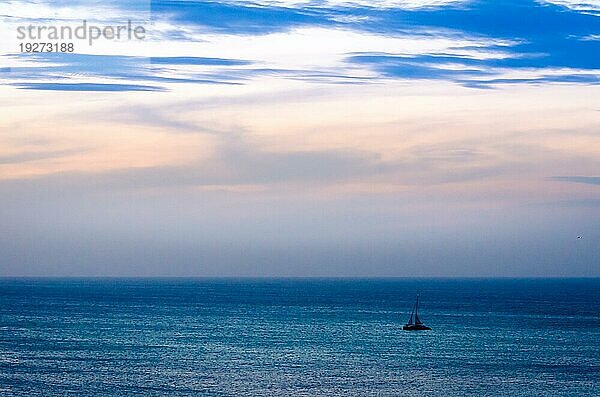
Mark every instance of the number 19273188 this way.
pixel 46 47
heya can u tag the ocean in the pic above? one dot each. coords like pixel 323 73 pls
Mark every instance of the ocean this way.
pixel 299 337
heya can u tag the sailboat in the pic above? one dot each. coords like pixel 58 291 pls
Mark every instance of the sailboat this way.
pixel 417 325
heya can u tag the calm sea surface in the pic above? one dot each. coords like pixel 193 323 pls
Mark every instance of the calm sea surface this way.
pixel 299 338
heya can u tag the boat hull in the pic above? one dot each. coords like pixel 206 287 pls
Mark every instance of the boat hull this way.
pixel 416 327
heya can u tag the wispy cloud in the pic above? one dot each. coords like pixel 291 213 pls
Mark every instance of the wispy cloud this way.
pixel 385 4
pixel 28 156
pixel 591 180
pixel 238 161
pixel 592 6
pixel 86 87
pixel 82 71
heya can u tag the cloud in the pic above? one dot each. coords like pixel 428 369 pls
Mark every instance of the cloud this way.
pixel 238 161
pixel 476 44
pixel 236 18
pixel 28 156
pixel 291 55
pixel 580 203
pixel 197 61
pixel 234 163
pixel 565 78
pixel 591 37
pixel 297 170
pixel 381 4
pixel 426 67
pixel 72 10
pixel 86 87
pixel 578 5
pixel 471 72
pixel 82 71
pixel 591 180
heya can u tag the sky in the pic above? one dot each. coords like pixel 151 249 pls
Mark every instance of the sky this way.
pixel 383 138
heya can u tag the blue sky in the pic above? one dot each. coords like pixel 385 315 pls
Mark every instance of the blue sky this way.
pixel 289 137
pixel 553 41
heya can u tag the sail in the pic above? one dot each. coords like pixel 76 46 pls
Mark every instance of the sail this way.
pixel 417 319
pixel 411 316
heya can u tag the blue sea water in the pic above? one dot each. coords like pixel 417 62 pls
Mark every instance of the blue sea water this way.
pixel 298 337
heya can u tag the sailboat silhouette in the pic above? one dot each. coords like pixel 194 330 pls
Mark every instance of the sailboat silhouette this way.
pixel 417 325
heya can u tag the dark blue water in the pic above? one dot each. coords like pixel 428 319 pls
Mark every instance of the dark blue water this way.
pixel 299 338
